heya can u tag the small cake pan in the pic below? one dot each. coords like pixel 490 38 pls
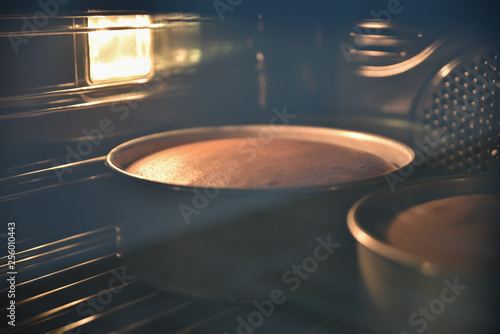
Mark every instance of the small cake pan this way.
pixel 412 294
pixel 242 243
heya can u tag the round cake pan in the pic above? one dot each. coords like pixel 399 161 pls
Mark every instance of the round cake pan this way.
pixel 242 243
pixel 412 294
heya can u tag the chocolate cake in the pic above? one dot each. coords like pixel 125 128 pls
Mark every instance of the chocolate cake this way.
pixel 460 232
pixel 251 163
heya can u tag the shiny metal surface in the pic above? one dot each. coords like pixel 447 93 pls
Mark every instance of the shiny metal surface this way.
pixel 398 283
pixel 460 111
pixel 388 149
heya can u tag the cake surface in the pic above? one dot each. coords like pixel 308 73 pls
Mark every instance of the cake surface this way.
pixel 246 163
pixel 460 232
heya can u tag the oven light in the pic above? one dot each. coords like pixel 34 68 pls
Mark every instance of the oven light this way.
pixel 119 55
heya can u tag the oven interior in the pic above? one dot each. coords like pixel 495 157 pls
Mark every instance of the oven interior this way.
pixel 78 82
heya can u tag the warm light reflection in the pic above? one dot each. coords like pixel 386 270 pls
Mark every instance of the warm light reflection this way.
pixel 374 25
pixel 116 55
pixel 388 70
pixel 376 40
pixel 195 55
pixel 371 53
pixel 177 47
pixel 445 70
pixel 357 136
pixel 184 56
pixel 180 55
pixel 261 80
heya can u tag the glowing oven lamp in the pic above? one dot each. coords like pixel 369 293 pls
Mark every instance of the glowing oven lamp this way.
pixel 119 55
